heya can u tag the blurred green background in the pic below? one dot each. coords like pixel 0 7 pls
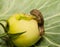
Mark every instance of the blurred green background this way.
pixel 50 10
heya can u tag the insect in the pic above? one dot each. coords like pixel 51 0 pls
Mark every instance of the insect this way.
pixel 39 19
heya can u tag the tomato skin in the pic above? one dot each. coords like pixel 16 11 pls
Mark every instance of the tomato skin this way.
pixel 32 34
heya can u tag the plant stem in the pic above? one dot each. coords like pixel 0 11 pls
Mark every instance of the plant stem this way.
pixel 3 27
pixel 6 37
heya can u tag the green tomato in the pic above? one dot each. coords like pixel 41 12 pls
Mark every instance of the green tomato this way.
pixel 21 22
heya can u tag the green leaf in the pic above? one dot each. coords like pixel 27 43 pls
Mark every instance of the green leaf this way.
pixel 14 36
pixel 51 13
pixel 3 35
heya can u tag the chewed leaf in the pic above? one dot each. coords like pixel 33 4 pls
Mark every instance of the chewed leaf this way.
pixel 14 36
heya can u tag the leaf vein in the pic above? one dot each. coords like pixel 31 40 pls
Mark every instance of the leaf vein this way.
pixel 52 23
pixel 28 6
pixel 9 8
pixel 51 41
pixel 52 27
pixel 52 33
pixel 44 5
pixel 52 16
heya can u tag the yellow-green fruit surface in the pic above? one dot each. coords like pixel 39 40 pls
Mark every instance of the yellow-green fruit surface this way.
pixel 30 26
